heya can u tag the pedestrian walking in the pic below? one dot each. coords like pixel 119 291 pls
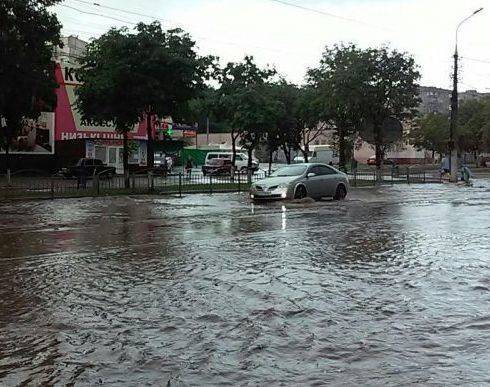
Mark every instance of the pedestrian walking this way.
pixel 394 169
pixel 188 167
pixel 353 166
pixel 165 167
pixel 466 174
pixel 82 177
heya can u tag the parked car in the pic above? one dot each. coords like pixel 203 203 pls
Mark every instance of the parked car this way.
pixel 217 167
pixel 372 161
pixel 241 160
pixel 483 160
pixel 89 167
pixel 302 180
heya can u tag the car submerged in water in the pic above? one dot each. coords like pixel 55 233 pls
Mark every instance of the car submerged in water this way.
pixel 299 181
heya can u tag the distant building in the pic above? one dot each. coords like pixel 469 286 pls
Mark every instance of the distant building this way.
pixel 437 100
pixel 73 48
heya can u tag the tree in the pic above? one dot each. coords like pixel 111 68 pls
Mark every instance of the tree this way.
pixel 389 97
pixel 473 131
pixel 241 103
pixel 310 126
pixel 284 133
pixel 127 77
pixel 28 32
pixel 255 116
pixel 203 111
pixel 431 132
pixel 338 82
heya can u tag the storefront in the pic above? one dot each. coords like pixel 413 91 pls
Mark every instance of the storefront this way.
pixel 75 138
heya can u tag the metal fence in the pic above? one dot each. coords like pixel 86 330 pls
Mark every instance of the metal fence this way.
pixel 394 176
pixel 50 187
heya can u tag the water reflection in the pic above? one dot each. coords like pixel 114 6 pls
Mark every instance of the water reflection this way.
pixel 209 290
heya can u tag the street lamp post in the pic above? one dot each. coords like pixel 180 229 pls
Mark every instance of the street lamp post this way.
pixel 454 105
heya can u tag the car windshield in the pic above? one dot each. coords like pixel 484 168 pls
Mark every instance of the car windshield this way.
pixel 293 170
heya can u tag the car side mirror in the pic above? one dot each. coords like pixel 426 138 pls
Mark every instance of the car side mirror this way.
pixel 311 174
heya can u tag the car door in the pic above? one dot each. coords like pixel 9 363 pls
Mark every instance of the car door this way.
pixel 314 183
pixel 328 180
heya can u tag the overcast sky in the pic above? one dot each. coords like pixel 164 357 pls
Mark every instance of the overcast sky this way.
pixel 292 39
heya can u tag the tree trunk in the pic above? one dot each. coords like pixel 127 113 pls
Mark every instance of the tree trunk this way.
pixel 270 160
pixel 125 159
pixel 150 152
pixel 8 140
pixel 249 164
pixel 7 156
pixel 306 151
pixel 233 147
pixel 287 153
pixel 342 158
pixel 379 152
pixel 433 154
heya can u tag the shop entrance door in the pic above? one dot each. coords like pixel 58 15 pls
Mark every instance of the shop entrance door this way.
pixel 115 158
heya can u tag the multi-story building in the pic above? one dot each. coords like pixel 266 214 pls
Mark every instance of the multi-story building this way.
pixel 437 100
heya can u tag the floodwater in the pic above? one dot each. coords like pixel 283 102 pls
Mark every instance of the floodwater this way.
pixel 389 287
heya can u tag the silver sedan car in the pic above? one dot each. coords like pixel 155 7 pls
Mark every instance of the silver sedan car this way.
pixel 302 180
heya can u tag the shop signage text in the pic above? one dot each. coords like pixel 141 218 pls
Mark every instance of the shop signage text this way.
pixel 81 135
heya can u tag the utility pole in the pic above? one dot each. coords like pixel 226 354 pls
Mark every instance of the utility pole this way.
pixel 150 153
pixel 207 130
pixel 453 157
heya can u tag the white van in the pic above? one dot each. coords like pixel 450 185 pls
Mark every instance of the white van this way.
pixel 241 159
pixel 324 154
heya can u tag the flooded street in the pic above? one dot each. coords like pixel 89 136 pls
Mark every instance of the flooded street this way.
pixel 390 287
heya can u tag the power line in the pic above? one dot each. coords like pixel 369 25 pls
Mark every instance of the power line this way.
pixel 98 14
pixel 476 60
pixel 329 14
pixel 200 37
pixel 119 9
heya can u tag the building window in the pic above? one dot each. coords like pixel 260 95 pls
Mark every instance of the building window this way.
pixel 112 155
pixel 101 153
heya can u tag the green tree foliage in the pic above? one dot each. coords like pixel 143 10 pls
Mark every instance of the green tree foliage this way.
pixel 309 115
pixel 203 110
pixel 473 130
pixel 431 132
pixel 285 133
pixel 339 82
pixel 127 75
pixel 28 31
pixel 243 102
pixel 389 94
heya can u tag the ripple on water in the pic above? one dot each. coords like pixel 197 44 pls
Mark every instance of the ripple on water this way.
pixel 206 290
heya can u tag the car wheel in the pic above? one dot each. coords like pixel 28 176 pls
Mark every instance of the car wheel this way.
pixel 300 192
pixel 340 193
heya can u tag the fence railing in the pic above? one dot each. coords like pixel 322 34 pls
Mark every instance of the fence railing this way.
pixel 41 187
pixel 46 187
pixel 394 176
